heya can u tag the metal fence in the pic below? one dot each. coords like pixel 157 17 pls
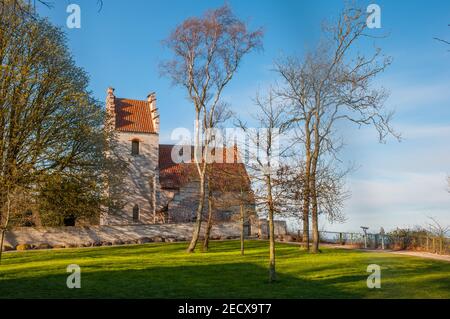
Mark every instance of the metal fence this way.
pixel 432 244
pixel 341 238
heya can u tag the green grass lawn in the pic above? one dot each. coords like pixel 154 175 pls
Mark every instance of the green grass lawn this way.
pixel 163 270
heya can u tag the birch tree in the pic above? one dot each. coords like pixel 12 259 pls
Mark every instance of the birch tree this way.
pixel 207 52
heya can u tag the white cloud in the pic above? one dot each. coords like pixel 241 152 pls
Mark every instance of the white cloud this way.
pixel 396 199
pixel 399 184
pixel 392 190
pixel 425 131
pixel 410 96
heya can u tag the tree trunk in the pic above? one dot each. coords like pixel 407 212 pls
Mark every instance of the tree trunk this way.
pixel 198 221
pixel 201 169
pixel 306 186
pixel 5 226
pixel 314 219
pixel 242 228
pixel 313 182
pixel 209 222
pixel 305 220
pixel 272 272
pixel 1 244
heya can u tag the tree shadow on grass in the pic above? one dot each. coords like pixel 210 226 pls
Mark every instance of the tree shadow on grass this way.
pixel 149 271
pixel 234 280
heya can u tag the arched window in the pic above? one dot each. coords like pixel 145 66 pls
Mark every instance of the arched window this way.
pixel 136 213
pixel 134 147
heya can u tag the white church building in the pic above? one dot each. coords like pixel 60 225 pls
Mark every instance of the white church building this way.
pixel 157 190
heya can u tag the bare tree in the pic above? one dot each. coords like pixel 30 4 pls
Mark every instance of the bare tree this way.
pixel 207 52
pixel 329 85
pixel 243 219
pixel 440 232
pixel 230 185
pixel 331 189
pixel 264 164
pixel 437 229
pixel 245 198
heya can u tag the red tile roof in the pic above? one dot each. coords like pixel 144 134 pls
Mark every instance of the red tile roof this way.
pixel 225 176
pixel 133 116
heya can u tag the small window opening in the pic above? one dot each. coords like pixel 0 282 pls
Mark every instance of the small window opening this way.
pixel 135 147
pixel 136 213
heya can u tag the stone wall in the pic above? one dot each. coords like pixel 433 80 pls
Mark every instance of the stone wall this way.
pixel 280 228
pixel 183 205
pixel 105 234
pixel 79 236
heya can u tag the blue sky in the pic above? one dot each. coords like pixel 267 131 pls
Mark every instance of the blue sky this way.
pixel 396 184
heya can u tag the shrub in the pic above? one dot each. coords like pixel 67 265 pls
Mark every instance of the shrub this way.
pixel 7 248
pixel 405 238
pixel 23 247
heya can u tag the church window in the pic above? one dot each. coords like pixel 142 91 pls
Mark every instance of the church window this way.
pixel 134 147
pixel 136 213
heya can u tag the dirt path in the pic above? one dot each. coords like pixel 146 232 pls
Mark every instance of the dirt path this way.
pixel 420 254
pixel 416 254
